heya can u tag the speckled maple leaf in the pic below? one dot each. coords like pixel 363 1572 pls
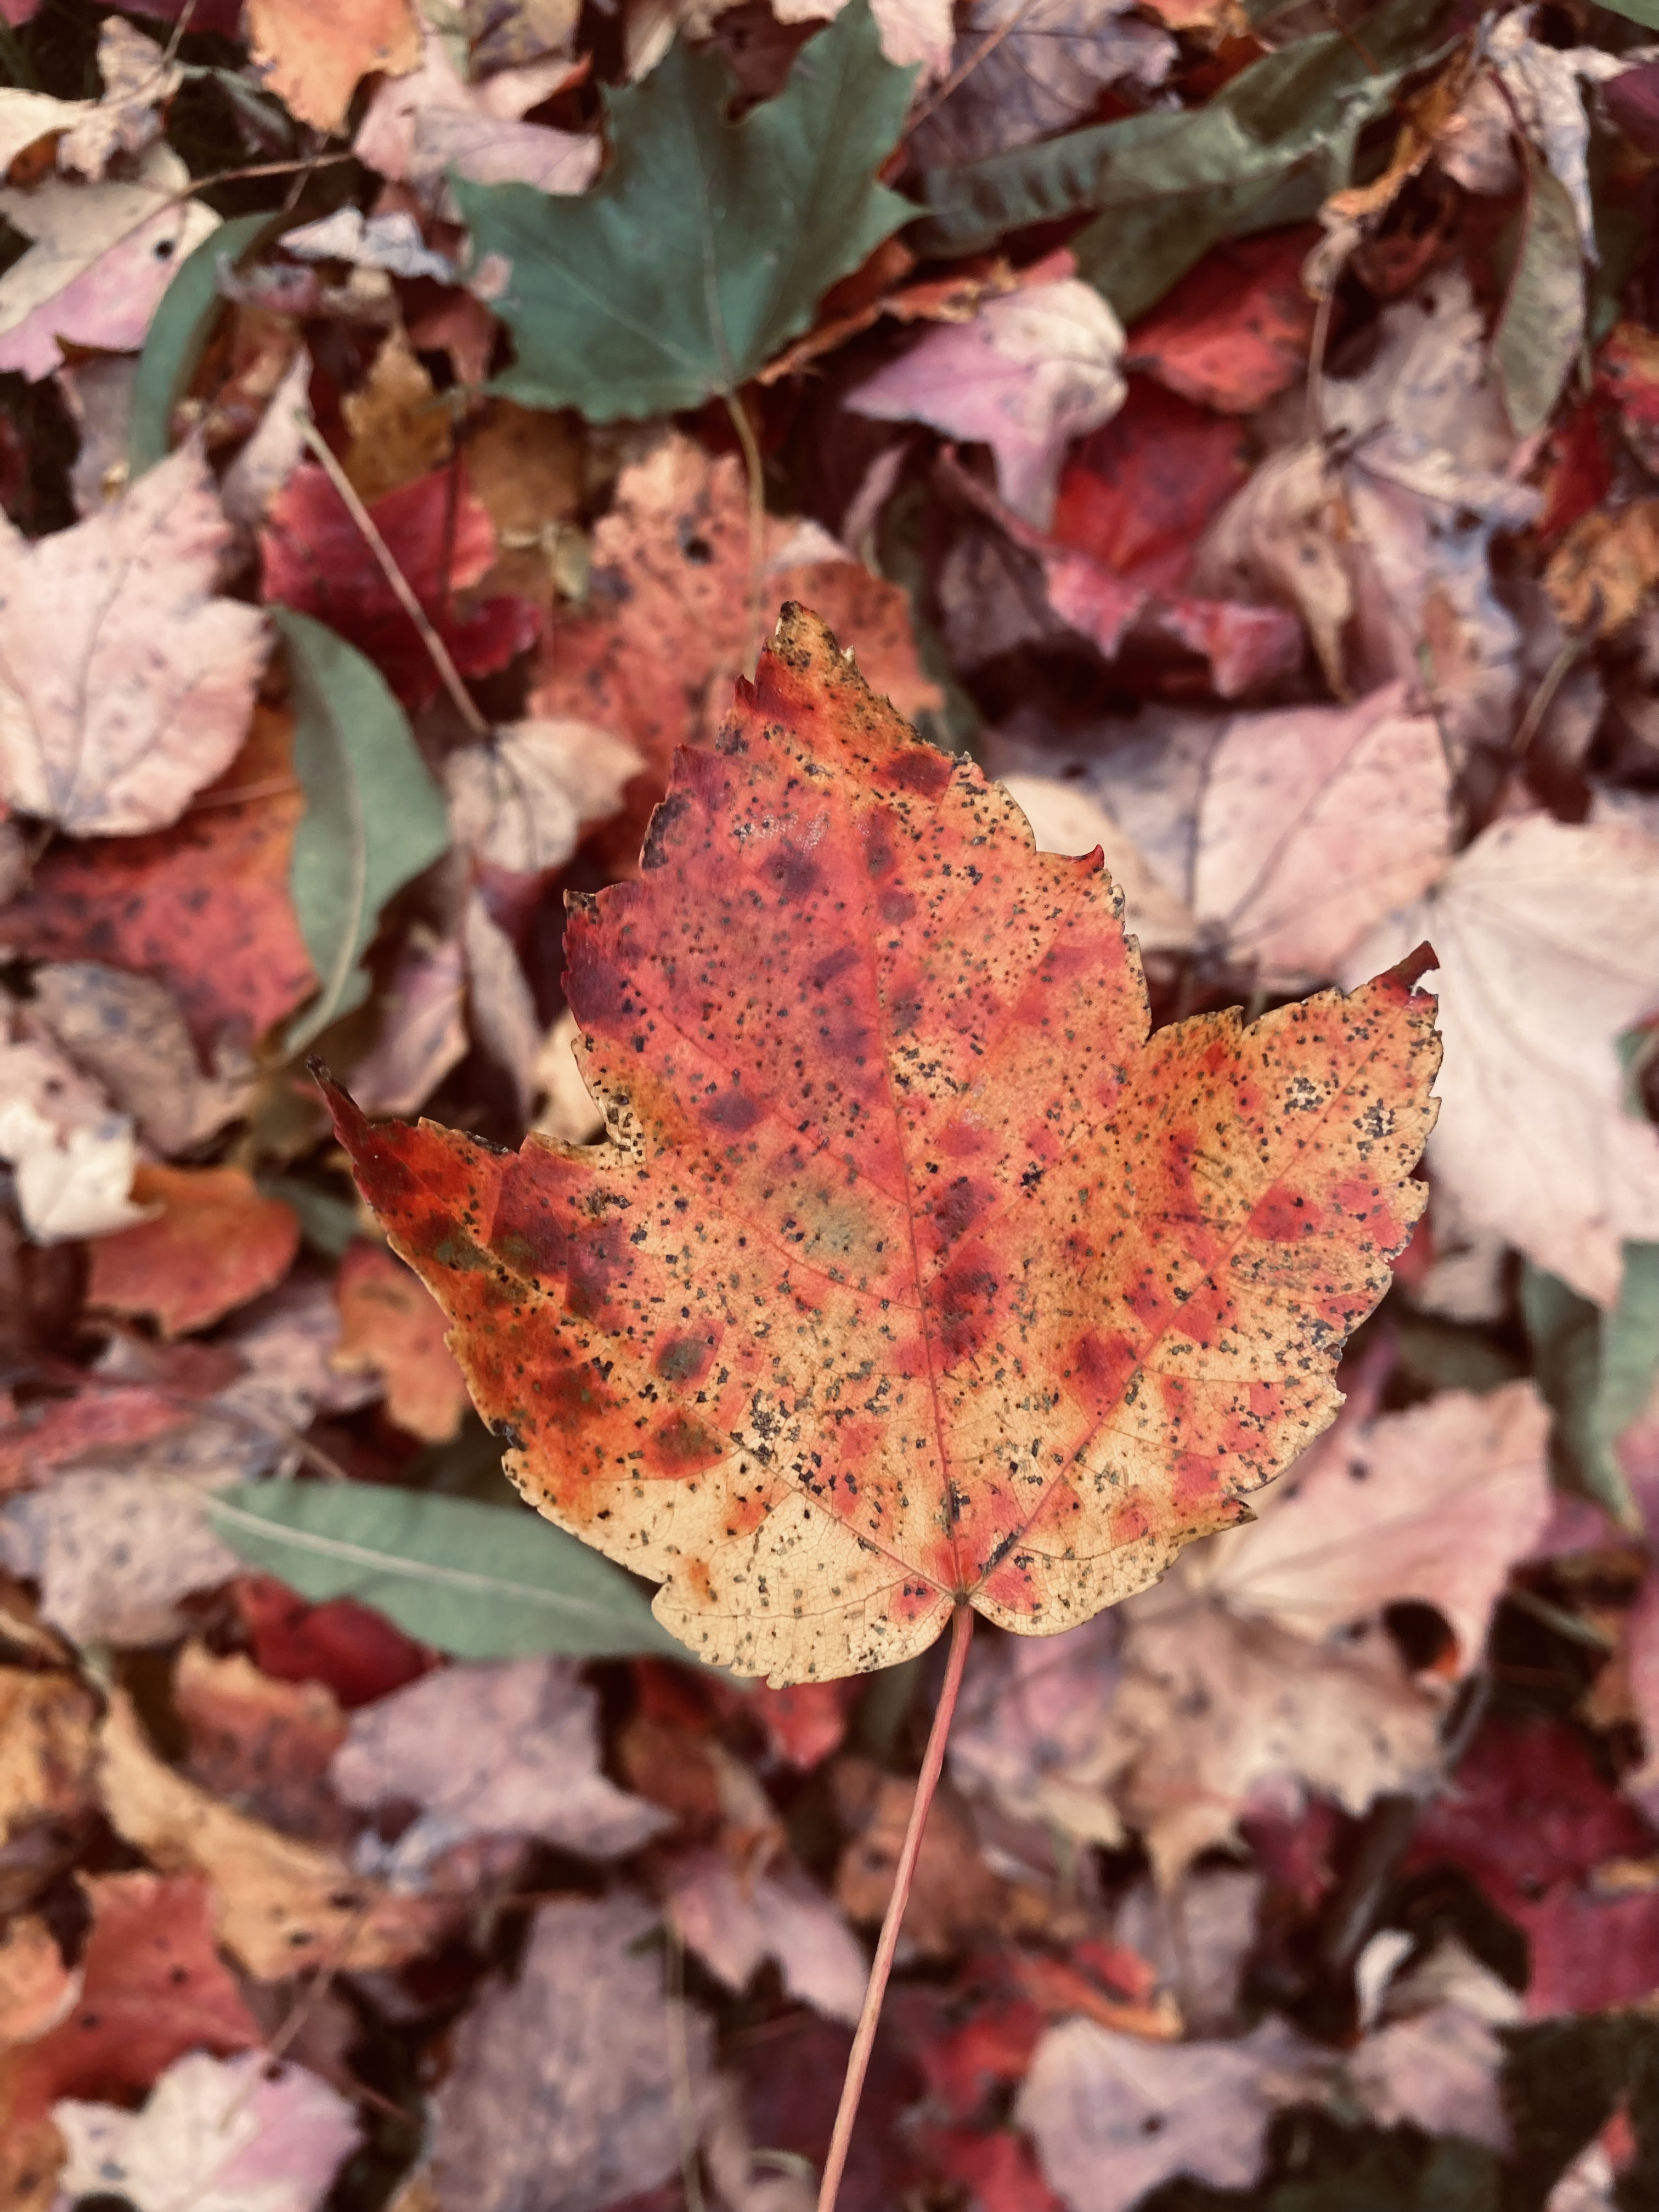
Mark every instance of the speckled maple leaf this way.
pixel 914 1268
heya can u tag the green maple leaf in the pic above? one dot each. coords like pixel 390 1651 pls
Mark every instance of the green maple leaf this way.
pixel 707 244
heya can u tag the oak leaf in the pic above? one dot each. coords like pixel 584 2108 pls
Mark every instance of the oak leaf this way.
pixel 915 1270
pixel 124 684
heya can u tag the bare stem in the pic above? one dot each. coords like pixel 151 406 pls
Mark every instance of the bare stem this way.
pixel 756 470
pixel 858 2065
pixel 402 590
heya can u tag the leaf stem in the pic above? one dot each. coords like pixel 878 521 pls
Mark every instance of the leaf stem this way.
pixel 858 2065
pixel 402 590
pixel 754 469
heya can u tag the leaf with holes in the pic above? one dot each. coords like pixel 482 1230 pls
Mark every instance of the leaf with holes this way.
pixel 914 1269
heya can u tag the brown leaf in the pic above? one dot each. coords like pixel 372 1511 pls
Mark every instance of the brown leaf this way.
pixel 954 1895
pixel 261 1746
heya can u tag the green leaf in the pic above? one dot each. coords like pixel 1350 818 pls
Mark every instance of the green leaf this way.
pixel 1645 12
pixel 179 333
pixel 1541 332
pixel 1597 1369
pixel 374 815
pixel 484 1582
pixel 1166 186
pixel 707 244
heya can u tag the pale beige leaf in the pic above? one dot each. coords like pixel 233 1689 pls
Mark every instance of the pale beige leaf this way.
pixel 566 1113
pixel 138 81
pixel 1278 539
pixel 72 1156
pixel 422 125
pixel 103 255
pixel 1547 935
pixel 912 31
pixel 1434 1504
pixel 125 684
pixel 1066 818
pixel 113 1554
pixel 127 1030
pixel 523 801
pixel 1315 823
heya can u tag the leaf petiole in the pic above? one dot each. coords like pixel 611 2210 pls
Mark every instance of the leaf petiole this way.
pixel 932 1764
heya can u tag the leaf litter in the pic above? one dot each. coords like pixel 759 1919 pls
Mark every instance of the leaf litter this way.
pixel 1239 434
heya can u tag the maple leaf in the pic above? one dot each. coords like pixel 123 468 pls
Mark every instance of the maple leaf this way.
pixel 124 684
pixel 915 1270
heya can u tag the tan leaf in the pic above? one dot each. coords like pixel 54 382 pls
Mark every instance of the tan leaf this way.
pixel 1315 823
pixel 124 684
pixel 1278 539
pixel 45 1748
pixel 420 127
pixel 1605 568
pixel 314 54
pixel 138 79
pixel 400 429
pixel 279 1904
pixel 37 1990
pixel 567 1112
pixel 72 1157
pixel 127 1030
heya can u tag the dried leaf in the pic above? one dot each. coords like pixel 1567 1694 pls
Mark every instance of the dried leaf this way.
pixel 261 1745
pixel 114 1552
pixel 508 1750
pixel 1237 332
pixel 390 1327
pixel 422 1030
pixel 127 1031
pixel 203 908
pixel 1045 73
pixel 313 56
pixel 101 258
pixel 802 902
pixel 46 1743
pixel 124 684
pixel 1066 819
pixel 138 79
pixel 37 1990
pixel 421 127
pixel 734 1922
pixel 1315 823
pixel 225 2134
pixel 279 1905
pixel 562 2088
pixel 212 1244
pixel 1434 1504
pixel 523 801
pixel 1545 931
pixel 1034 369
pixel 73 1159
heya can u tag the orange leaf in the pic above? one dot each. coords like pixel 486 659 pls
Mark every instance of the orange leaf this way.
pixel 215 1244
pixel 389 1326
pixel 915 1270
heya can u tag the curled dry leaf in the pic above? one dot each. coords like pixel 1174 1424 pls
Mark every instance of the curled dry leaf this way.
pixel 391 1326
pixel 806 874
pixel 1315 823
pixel 213 1242
pixel 507 1750
pixel 1033 370
pixel 1052 62
pixel 568 2088
pixel 102 254
pixel 124 684
pixel 1545 932
pixel 279 1904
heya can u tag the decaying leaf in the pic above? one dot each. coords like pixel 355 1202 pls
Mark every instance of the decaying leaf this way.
pixel 734 1919
pixel 1033 370
pixel 522 801
pixel 562 2086
pixel 314 55
pixel 422 127
pixel 507 1750
pixel 114 1552
pixel 124 684
pixel 127 1031
pixel 262 1745
pixel 802 1518
pixel 1052 62
pixel 73 1159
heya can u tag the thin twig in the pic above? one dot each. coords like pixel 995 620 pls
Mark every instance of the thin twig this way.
pixel 1543 698
pixel 962 1628
pixel 403 591
pixel 308 161
pixel 679 2053
pixel 754 469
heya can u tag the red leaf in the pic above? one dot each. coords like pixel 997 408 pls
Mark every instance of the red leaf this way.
pixel 318 561
pixel 356 1652
pixel 1234 332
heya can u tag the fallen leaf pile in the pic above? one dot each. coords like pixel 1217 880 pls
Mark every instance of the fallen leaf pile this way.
pixel 484 491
